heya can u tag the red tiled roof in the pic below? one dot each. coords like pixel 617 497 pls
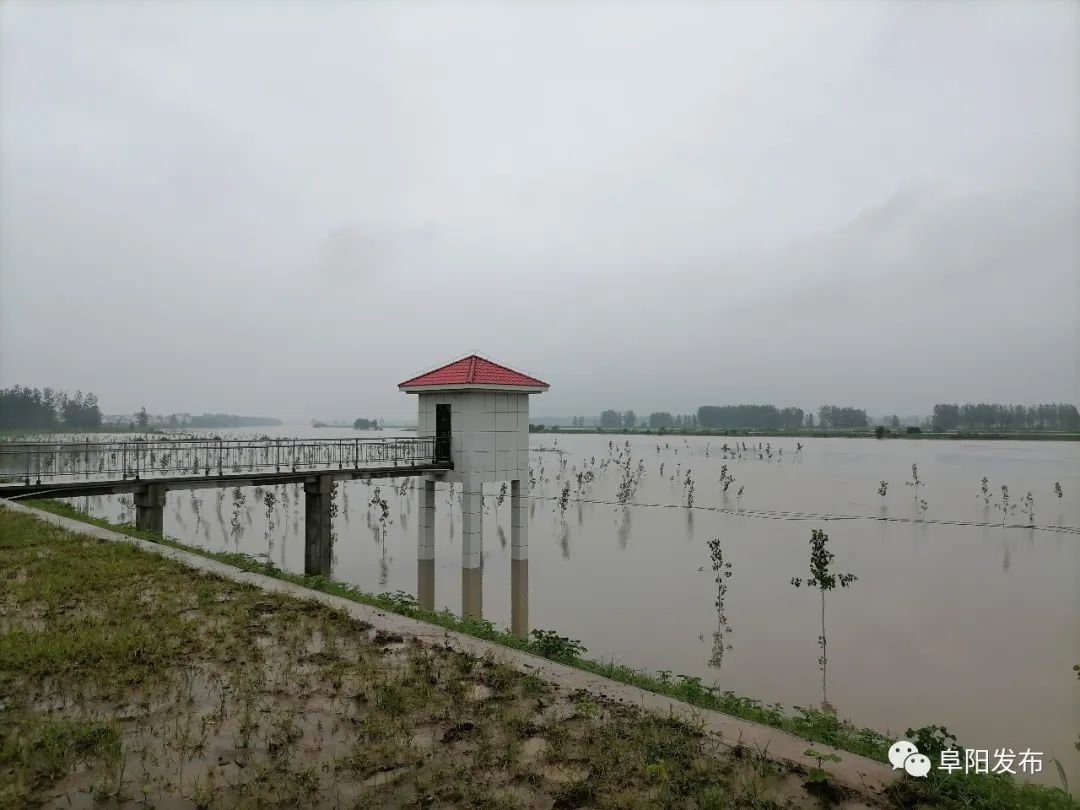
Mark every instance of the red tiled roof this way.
pixel 473 370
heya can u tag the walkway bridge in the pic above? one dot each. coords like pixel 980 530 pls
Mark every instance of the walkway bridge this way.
pixel 148 469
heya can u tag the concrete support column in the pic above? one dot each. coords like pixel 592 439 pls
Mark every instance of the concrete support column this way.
pixel 519 523
pixel 472 516
pixel 519 598
pixel 425 584
pixel 425 549
pixel 317 546
pixel 472 593
pixel 150 508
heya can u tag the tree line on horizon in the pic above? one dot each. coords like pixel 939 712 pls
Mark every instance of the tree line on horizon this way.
pixel 725 417
pixel 23 408
pixel 946 417
pixel 991 416
pixel 658 419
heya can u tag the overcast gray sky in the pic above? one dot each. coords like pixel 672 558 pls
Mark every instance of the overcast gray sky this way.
pixel 288 208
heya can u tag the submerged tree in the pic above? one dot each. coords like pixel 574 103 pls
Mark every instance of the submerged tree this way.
pixel 822 578
pixel 1029 508
pixel 269 501
pixel 1006 507
pixel 915 482
pixel 721 573
pixel 236 527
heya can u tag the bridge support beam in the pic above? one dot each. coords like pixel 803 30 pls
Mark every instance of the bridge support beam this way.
pixel 425 548
pixel 472 519
pixel 472 547
pixel 519 598
pixel 472 593
pixel 519 523
pixel 519 562
pixel 317 520
pixel 150 508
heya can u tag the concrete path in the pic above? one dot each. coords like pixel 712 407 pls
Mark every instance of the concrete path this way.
pixel 860 773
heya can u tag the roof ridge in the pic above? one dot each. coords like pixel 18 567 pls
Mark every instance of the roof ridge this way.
pixel 474 369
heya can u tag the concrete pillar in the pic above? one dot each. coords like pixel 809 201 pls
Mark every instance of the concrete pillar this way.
pixel 519 561
pixel 472 593
pixel 317 521
pixel 425 549
pixel 425 584
pixel 472 517
pixel 519 598
pixel 150 508
pixel 519 523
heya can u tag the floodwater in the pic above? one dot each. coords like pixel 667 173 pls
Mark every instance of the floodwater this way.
pixel 974 627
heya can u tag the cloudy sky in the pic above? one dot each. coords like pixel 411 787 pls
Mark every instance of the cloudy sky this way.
pixel 287 208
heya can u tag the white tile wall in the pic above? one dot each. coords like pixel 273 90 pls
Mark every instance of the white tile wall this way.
pixel 489 430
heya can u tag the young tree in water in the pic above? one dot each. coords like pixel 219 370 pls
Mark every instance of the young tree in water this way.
pixel 822 578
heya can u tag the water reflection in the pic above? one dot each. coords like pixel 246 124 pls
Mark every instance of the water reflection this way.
pixel 624 528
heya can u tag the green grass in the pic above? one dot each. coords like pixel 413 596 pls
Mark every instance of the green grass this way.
pixel 945 790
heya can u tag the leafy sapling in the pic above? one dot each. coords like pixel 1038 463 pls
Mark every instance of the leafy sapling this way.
pixel 822 578
pixel 269 500
pixel 564 497
pixel 915 482
pixel 1028 504
pixel 1006 507
pixel 819 775
pixel 721 572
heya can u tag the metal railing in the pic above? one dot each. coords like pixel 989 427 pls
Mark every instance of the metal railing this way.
pixel 35 462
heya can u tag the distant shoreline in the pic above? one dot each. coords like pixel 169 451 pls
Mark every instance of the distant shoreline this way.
pixel 852 433
pixel 838 433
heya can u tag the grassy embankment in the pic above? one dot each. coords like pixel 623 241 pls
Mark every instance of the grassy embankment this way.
pixel 128 678
pixel 940 790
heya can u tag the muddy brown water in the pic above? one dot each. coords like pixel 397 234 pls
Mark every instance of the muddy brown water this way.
pixel 974 627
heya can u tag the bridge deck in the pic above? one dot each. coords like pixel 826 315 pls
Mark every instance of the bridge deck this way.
pixel 74 469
